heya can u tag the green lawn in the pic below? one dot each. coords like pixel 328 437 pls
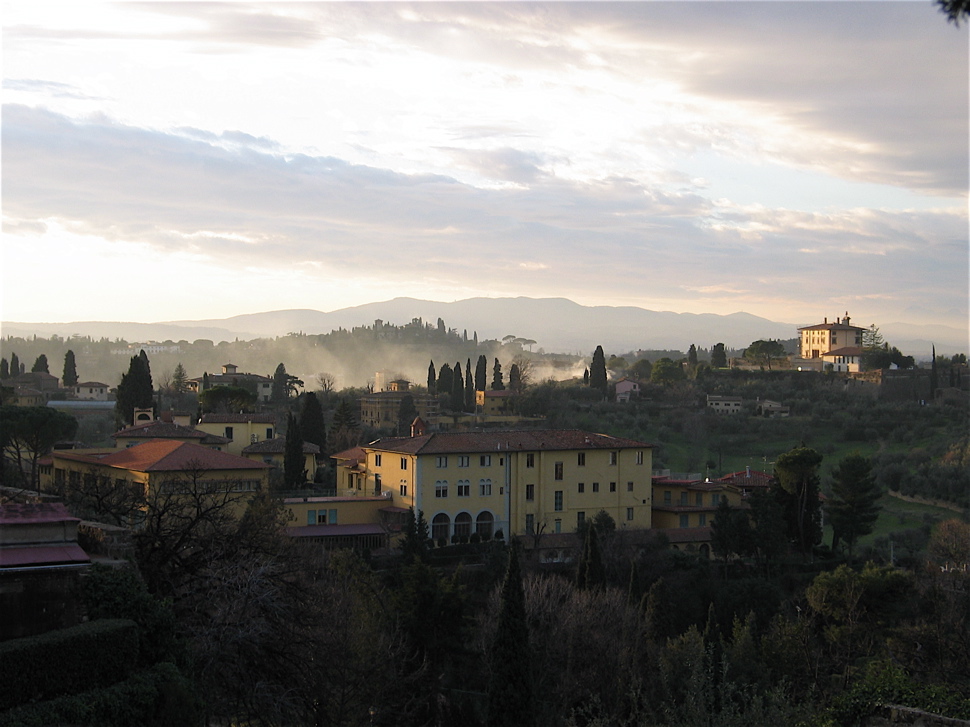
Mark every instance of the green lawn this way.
pixel 897 515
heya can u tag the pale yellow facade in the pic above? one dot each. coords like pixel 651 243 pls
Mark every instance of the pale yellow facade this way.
pixel 240 429
pixel 817 340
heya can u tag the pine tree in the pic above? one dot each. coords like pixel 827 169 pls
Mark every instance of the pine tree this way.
pixel 4 369
pixel 135 390
pixel 294 474
pixel 280 391
pixel 414 544
pixel 497 383
pixel 796 471
pixel 481 373
pixel 14 365
pixel 432 379
pixel 70 370
pixel 312 423
pixel 692 355
pixel 510 683
pixel 40 365
pixel 852 509
pixel 597 370
pixel 344 428
pixel 180 380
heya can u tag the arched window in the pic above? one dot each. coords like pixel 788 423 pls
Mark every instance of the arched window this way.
pixel 463 524
pixel 440 526
pixel 485 487
pixel 484 524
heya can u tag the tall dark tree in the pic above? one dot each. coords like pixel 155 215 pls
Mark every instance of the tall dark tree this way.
pixel 344 428
pixel 27 433
pixel 657 613
pixel 597 370
pixel 497 383
pixel 135 390
pixel 515 378
pixel 481 373
pixel 313 426
pixel 414 543
pixel 406 412
pixel 457 388
pixel 589 572
pixel 446 379
pixel 763 352
pixel 69 377
pixel 40 365
pixel 180 379
pixel 284 385
pixel 955 10
pixel 205 380
pixel 934 376
pixel 510 680
pixel 585 377
pixel 692 355
pixel 469 387
pixel 4 369
pixel 14 365
pixel 731 532
pixel 432 379
pixel 796 473
pixel 852 509
pixel 718 356
pixel 294 473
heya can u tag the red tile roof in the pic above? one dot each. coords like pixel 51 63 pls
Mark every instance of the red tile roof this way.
pixel 333 531
pixel 167 455
pixel 44 512
pixel 168 430
pixel 43 555
pixel 747 478
pixel 497 441
pixel 845 351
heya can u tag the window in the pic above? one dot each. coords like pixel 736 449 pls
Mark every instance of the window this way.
pixel 530 524
pixel 484 524
pixel 485 460
pixel 640 456
pixel 702 518
pixel 463 525
pixel 612 487
pixel 404 490
pixel 715 499
pixel 683 498
pixel 464 488
pixel 557 500
pixel 311 517
pixel 269 432
pixel 228 432
pixel 580 518
pixel 684 521
pixel 441 488
pixel 666 497
pixel 484 488
pixel 629 513
pixel 404 463
pixel 530 460
pixel 557 526
pixel 699 499
pixel 596 487
pixel 530 492
pixel 377 460
pixel 581 459
pixel 440 526
pixel 581 487
pixel 558 471
pixel 613 457
pixel 463 460
pixel 629 487
pixel 440 462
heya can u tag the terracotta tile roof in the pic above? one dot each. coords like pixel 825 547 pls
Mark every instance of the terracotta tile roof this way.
pixel 93 384
pixel 167 455
pixel 333 531
pixel 168 430
pixel 756 478
pixel 831 327
pixel 277 445
pixel 497 441
pixel 350 457
pixel 238 418
pixel 845 351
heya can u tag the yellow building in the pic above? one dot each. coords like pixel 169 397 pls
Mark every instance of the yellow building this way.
pixel 380 409
pixel 241 430
pixel 158 429
pixel 818 340
pixel 273 453
pixel 504 483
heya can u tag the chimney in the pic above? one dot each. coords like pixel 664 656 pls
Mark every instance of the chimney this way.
pixel 825 320
pixel 747 471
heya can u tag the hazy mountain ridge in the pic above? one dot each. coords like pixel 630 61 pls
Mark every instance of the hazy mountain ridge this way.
pixel 556 324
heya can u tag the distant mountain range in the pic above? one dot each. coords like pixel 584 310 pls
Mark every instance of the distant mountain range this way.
pixel 556 324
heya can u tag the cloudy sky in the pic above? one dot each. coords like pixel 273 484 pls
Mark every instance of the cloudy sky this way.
pixel 194 160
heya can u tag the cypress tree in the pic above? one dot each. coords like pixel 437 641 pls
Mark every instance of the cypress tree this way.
pixel 294 475
pixel 40 365
pixel 14 365
pixel 597 370
pixel 70 370
pixel 445 379
pixel 497 383
pixel 312 424
pixel 510 683
pixel 457 388
pixel 718 356
pixel 692 355
pixel 481 373
pixel 934 376
pixel 4 369
pixel 135 390
pixel 432 379
pixel 469 387
pixel 515 378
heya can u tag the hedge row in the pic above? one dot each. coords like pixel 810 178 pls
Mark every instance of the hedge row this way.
pixel 159 696
pixel 67 661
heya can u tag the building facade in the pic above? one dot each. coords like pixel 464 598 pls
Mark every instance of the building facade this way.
pixel 818 340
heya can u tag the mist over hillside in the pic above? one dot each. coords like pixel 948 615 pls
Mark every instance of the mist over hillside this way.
pixel 555 324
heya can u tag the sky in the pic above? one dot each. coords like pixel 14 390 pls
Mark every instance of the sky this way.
pixel 189 160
